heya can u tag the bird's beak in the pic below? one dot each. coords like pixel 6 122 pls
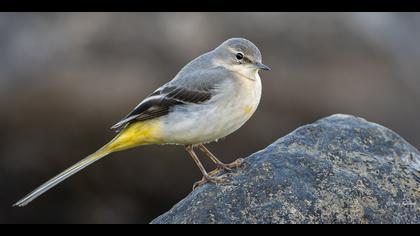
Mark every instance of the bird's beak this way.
pixel 261 66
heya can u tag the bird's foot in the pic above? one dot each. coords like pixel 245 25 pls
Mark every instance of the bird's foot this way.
pixel 235 164
pixel 209 179
pixel 211 175
pixel 227 167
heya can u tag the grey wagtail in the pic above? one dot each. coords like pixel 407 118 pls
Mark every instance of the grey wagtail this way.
pixel 210 98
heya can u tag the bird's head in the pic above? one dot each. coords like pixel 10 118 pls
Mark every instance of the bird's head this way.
pixel 240 55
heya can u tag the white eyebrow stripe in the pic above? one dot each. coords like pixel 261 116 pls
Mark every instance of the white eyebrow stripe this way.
pixel 234 51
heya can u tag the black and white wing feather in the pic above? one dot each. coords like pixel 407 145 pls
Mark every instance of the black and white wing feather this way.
pixel 162 101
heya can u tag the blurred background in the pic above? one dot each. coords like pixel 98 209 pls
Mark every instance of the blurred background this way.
pixel 65 78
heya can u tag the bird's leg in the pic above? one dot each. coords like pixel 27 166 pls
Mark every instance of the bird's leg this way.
pixel 206 177
pixel 220 165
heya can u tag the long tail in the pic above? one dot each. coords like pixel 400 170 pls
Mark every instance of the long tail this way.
pixel 64 175
pixel 140 133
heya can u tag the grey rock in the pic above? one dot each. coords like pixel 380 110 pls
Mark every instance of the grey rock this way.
pixel 340 169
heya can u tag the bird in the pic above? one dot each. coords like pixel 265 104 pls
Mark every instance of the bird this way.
pixel 210 97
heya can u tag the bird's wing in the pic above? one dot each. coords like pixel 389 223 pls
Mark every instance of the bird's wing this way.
pixel 194 88
pixel 162 100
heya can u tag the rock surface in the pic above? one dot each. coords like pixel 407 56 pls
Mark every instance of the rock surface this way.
pixel 340 169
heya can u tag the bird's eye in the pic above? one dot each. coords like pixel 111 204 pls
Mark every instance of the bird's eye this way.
pixel 239 56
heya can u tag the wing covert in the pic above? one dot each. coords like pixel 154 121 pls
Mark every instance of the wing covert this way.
pixel 160 102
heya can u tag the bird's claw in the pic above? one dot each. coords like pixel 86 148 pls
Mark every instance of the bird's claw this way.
pixel 227 167
pixel 237 163
pixel 207 179
pixel 210 177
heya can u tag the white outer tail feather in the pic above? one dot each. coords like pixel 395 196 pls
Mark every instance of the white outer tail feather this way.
pixel 63 176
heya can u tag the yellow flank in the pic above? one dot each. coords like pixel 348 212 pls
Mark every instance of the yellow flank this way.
pixel 248 110
pixel 136 134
